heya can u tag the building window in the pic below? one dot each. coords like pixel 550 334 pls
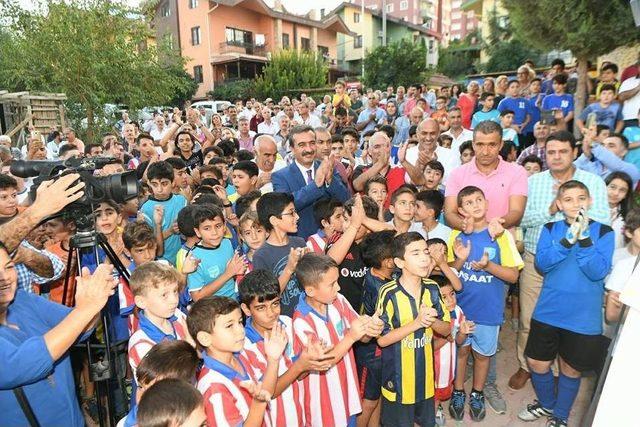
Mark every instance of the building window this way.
pixel 404 5
pixel 324 51
pixel 431 46
pixel 238 37
pixel 165 11
pixel 356 17
pixel 195 36
pixel 357 42
pixel 197 74
pixel 305 43
pixel 390 8
pixel 193 4
pixel 285 41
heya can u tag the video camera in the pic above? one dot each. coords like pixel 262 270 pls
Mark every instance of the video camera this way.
pixel 119 187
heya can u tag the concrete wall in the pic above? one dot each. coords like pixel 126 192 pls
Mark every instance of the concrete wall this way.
pixel 198 55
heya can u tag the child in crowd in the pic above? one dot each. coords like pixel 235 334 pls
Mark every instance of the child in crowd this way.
pixel 608 74
pixel 620 197
pixel 403 208
pixel 377 256
pixel 466 152
pixel 446 348
pixel 259 294
pixel 376 188
pixel 632 133
pixel 155 288
pixel 108 217
pixel 331 398
pixel 485 265
pixel 559 99
pixel 340 97
pixel 160 178
pixel 169 359
pixel 508 133
pixel 360 216
pixel 61 230
pixel 223 166
pixel 244 177
pixel 219 264
pixel 433 173
pixel 280 252
pixel 509 152
pixel 187 230
pixel 227 381
pixel 429 204
pixel 487 100
pixel 247 203
pixel 445 141
pixel 608 112
pixel 440 114
pixel 172 402
pixel 252 234
pixel 574 257
pixel 329 213
pixel 407 353
pixel 438 252
pixel 532 164
pixel 518 105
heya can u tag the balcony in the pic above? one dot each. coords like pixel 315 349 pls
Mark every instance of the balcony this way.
pixel 243 48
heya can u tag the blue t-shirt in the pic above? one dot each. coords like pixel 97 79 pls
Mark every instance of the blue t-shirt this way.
pixel 213 262
pixel 48 385
pixel 172 207
pixel 632 133
pixel 482 296
pixel 554 102
pixel 604 116
pixel 519 106
pixel 481 116
pixel 364 117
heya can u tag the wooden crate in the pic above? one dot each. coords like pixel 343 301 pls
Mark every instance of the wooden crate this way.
pixel 31 110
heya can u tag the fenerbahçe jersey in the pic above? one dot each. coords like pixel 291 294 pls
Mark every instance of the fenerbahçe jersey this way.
pixel 407 376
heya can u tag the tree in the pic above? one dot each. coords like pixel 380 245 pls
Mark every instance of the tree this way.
pixel 398 63
pixel 459 58
pixel 506 50
pixel 230 91
pixel 95 51
pixel 586 27
pixel 290 70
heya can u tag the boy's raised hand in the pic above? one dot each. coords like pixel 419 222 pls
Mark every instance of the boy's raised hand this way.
pixel 375 326
pixel 236 265
pixel 584 225
pixel 294 256
pixel 275 342
pixel 467 223
pixel 461 251
pixel 357 212
pixel 495 228
pixel 437 252
pixel 158 215
pixel 256 391
pixel 427 315
pixel 359 327
pixel 315 357
pixel 573 232
pixel 467 327
pixel 482 263
pixel 190 264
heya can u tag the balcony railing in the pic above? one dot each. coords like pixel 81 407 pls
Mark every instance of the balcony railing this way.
pixel 242 47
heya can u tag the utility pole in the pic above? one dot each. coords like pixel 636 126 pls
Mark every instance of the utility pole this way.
pixel 384 22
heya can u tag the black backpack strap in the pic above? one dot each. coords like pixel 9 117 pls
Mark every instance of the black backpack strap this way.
pixel 26 407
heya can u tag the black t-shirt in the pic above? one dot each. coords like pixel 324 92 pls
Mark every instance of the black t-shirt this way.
pixel 194 161
pixel 351 275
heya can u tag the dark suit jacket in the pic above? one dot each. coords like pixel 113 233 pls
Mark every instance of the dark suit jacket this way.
pixel 290 180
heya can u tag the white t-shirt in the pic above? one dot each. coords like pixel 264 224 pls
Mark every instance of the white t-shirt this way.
pixel 441 231
pixel 312 121
pixel 270 129
pixel 449 159
pixel 632 105
pixel 157 135
pixel 616 281
pixel 620 254
pixel 465 135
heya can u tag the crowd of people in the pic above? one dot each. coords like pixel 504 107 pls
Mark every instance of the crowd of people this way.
pixel 334 262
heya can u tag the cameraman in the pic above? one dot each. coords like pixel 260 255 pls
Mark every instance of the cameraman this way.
pixel 35 334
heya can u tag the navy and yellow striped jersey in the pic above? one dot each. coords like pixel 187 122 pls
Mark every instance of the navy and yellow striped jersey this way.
pixel 407 365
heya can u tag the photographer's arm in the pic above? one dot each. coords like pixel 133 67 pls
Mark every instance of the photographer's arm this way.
pixel 51 198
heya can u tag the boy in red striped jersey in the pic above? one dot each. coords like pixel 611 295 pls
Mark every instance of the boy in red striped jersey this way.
pixel 260 301
pixel 232 394
pixel 331 398
pixel 155 289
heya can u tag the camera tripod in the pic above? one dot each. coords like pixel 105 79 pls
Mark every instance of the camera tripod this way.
pixel 84 248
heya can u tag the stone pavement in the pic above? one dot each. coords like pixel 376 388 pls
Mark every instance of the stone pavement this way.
pixel 517 400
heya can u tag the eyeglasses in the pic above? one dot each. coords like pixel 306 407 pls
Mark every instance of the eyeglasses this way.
pixel 292 213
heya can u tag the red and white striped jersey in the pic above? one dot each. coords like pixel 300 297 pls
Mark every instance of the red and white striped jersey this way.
pixel 226 402
pixel 445 356
pixel 331 397
pixel 285 410
pixel 147 335
pixel 317 242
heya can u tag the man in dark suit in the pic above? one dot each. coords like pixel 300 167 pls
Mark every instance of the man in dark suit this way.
pixel 308 180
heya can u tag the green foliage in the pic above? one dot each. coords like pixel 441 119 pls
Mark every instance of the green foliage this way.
pixel 95 51
pixel 398 63
pixel 506 51
pixel 230 91
pixel 291 70
pixel 459 58
pixel 586 27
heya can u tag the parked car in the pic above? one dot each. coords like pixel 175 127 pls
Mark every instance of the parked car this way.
pixel 212 106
